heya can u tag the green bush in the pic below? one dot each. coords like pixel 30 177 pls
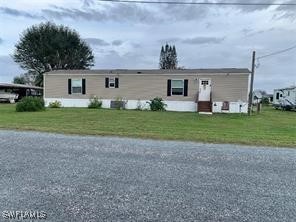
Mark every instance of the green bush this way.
pixel 55 104
pixel 94 103
pixel 265 101
pixel 157 104
pixel 30 104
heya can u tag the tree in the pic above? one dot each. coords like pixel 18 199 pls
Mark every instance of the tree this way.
pixel 24 79
pixel 168 57
pixel 47 46
pixel 19 79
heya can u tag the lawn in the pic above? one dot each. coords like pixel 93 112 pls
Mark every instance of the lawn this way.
pixel 270 128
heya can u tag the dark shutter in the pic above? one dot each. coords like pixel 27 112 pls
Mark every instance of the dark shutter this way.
pixel 169 93
pixel 106 82
pixel 69 86
pixel 116 82
pixel 185 87
pixel 83 86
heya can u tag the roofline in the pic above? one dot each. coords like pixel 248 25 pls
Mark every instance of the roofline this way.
pixel 12 85
pixel 151 71
pixel 292 87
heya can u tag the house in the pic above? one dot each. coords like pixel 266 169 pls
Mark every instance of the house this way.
pixel 257 97
pixel 202 90
pixel 285 98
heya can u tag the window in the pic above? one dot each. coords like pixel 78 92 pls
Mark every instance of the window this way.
pixel 76 85
pixel 281 95
pixel 277 95
pixel 205 82
pixel 177 87
pixel 111 82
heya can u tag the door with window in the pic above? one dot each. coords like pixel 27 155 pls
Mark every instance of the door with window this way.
pixel 205 88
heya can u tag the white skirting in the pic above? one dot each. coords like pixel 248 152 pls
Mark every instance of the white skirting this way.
pixel 183 106
pixel 234 107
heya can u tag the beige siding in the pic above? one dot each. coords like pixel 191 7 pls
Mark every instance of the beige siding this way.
pixel 144 87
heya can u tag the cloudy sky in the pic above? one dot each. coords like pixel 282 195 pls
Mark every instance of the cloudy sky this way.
pixel 130 35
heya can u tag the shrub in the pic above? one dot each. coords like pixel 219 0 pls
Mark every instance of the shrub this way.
pixel 55 104
pixel 30 104
pixel 95 103
pixel 157 104
pixel 265 101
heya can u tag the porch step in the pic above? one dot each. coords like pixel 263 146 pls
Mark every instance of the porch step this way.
pixel 206 113
pixel 204 106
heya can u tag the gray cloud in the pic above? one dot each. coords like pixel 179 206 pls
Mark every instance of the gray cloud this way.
pixel 169 40
pixel 250 32
pixel 96 41
pixel 117 42
pixel 286 11
pixel 14 12
pixel 136 13
pixel 1 41
pixel 198 40
pixel 87 3
pixel 203 40
pixel 116 12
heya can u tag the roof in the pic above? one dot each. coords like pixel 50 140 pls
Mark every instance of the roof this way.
pixel 154 71
pixel 15 86
pixel 287 88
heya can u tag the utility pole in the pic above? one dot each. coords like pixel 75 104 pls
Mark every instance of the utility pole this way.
pixel 251 84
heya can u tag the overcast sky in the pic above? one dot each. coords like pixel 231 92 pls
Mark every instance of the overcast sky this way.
pixel 130 35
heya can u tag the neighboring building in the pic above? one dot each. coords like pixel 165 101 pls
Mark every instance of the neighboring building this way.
pixel 257 97
pixel 12 92
pixel 203 90
pixel 285 98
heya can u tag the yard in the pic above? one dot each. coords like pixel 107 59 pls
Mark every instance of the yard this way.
pixel 270 128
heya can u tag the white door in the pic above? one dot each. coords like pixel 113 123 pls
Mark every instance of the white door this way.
pixel 204 90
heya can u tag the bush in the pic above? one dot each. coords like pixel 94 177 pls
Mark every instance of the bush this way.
pixel 95 103
pixel 55 104
pixel 157 104
pixel 265 101
pixel 30 104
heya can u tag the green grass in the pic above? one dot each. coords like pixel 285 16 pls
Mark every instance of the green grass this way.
pixel 270 128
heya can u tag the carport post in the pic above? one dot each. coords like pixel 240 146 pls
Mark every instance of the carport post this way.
pixel 251 84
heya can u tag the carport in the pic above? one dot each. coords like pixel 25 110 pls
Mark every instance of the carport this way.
pixel 21 89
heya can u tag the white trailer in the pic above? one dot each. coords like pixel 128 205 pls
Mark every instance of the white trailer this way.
pixel 285 98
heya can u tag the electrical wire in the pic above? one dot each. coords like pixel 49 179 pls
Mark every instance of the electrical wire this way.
pixel 277 52
pixel 198 3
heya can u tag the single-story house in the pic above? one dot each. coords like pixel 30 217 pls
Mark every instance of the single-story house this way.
pixel 202 90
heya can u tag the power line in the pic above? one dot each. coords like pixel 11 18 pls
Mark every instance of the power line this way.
pixel 198 3
pixel 277 52
pixel 273 54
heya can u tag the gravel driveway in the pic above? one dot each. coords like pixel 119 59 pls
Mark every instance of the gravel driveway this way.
pixel 75 178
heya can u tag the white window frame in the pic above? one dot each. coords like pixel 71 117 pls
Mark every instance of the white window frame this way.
pixel 72 91
pixel 177 88
pixel 113 81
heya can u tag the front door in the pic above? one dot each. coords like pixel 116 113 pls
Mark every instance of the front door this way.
pixel 205 88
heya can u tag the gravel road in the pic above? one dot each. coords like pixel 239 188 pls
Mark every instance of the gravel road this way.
pixel 75 178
